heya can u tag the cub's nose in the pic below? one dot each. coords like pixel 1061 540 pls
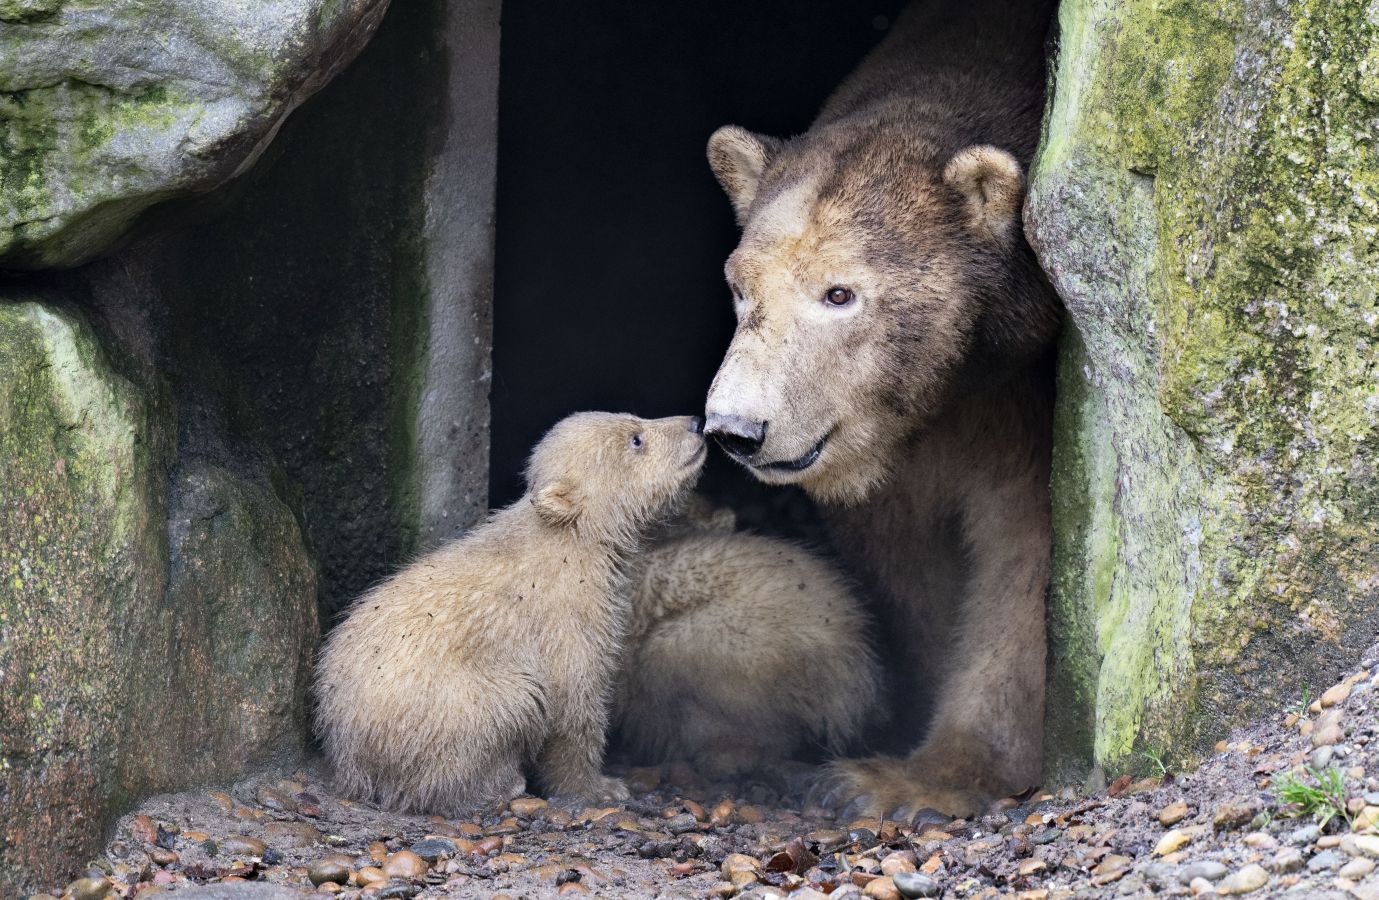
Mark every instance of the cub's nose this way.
pixel 696 425
pixel 740 437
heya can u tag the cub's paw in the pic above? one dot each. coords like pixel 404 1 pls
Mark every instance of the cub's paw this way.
pixel 599 790
pixel 610 790
pixel 889 787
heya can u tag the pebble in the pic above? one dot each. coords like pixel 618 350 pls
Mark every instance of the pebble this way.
pixel 1045 836
pixel 882 889
pixel 1251 878
pixel 1234 814
pixel 1208 869
pixel 275 800
pixel 682 823
pixel 92 888
pixel 398 890
pixel 1325 861
pixel 1289 859
pixel 722 813
pixel 432 849
pixel 242 845
pixel 1260 840
pixel 1172 814
pixel 1368 844
pixel 328 870
pixel 1201 886
pixel 1366 818
pixel 1356 869
pixel 528 807
pixel 1335 694
pixel 1321 757
pixel 1171 841
pixel 900 861
pixel 163 857
pixel 1304 835
pixel 1328 729
pixel 915 884
pixel 371 874
pixel 404 864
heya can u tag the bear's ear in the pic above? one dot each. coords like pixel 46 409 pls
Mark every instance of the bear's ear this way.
pixel 557 503
pixel 993 187
pixel 738 158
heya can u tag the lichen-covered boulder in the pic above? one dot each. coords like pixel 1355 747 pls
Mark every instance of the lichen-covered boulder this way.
pixel 108 108
pixel 1207 203
pixel 134 656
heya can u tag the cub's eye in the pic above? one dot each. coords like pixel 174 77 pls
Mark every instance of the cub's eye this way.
pixel 838 296
pixel 635 442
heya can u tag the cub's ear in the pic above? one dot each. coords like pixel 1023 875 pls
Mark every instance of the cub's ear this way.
pixel 557 503
pixel 993 187
pixel 738 158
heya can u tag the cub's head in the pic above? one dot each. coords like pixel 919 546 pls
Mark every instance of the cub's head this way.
pixel 870 274
pixel 610 475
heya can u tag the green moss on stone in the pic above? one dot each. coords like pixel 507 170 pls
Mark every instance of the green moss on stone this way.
pixel 1229 313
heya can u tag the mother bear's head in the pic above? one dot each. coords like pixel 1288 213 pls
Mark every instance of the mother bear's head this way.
pixel 878 273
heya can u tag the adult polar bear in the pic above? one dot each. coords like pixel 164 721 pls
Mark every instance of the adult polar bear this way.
pixel 892 358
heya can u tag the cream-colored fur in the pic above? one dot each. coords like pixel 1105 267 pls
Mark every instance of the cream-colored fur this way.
pixel 743 650
pixel 892 359
pixel 497 651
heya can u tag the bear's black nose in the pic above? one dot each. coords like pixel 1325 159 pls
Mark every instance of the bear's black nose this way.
pixel 696 425
pixel 740 437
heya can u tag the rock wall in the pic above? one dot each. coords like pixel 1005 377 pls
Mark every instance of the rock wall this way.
pixel 239 409
pixel 1206 202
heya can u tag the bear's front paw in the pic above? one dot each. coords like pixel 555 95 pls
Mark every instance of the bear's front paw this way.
pixel 611 790
pixel 601 789
pixel 892 788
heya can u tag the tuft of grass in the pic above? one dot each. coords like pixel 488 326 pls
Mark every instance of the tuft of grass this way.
pixel 1300 708
pixel 1156 762
pixel 1323 798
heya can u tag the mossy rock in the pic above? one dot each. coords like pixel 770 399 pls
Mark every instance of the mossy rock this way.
pixel 109 108
pixel 135 656
pixel 1206 201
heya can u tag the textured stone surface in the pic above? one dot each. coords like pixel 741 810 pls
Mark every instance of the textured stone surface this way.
pixel 1206 202
pixel 108 108
pixel 202 630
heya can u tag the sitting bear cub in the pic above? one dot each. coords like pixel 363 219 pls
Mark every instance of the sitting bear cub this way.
pixel 497 651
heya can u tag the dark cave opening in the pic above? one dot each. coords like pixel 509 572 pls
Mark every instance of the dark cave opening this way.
pixel 611 231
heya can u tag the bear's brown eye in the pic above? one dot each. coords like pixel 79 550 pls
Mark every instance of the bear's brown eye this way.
pixel 838 296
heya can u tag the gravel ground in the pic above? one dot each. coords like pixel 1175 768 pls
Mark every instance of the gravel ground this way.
pixel 1288 807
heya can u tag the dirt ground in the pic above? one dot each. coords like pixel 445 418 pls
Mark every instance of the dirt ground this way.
pixel 1251 819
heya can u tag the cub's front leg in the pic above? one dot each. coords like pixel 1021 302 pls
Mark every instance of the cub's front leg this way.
pixel 571 760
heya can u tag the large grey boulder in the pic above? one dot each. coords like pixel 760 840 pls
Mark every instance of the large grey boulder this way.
pixel 152 634
pixel 108 108
pixel 1206 203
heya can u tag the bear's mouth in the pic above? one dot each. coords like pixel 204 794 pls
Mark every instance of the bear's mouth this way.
pixel 798 464
pixel 697 456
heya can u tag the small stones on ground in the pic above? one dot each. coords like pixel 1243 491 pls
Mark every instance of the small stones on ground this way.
pixel 90 888
pixel 1304 835
pixel 527 807
pixel 682 823
pixel 434 848
pixel 1335 694
pixel 271 798
pixel 370 875
pixel 1289 859
pixel 882 889
pixel 722 813
pixel 1045 836
pixel 292 834
pixel 241 845
pixel 1208 869
pixel 1328 729
pixel 404 864
pixel 1368 844
pixel 1249 879
pixel 1235 814
pixel 1173 813
pixel 1172 840
pixel 1325 861
pixel 328 870
pixel 1356 869
pixel 163 857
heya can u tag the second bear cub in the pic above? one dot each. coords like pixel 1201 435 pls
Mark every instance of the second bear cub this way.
pixel 498 650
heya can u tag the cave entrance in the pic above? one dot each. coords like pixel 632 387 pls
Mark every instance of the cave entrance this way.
pixel 611 231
